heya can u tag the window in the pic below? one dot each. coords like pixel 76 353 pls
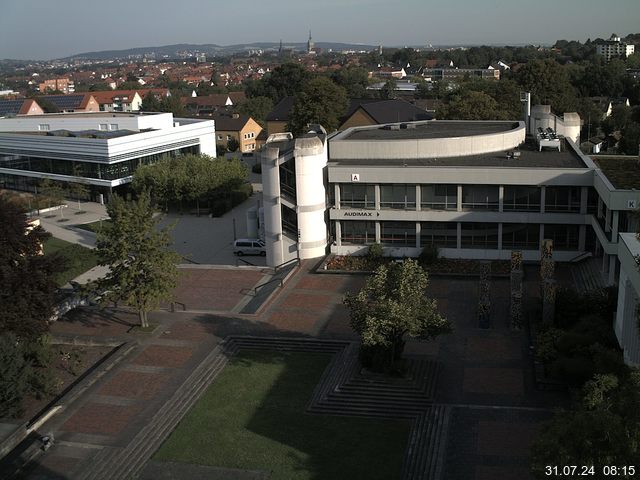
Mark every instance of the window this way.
pixel 521 198
pixel 43 127
pixel 357 196
pixel 400 197
pixel 289 221
pixel 565 237
pixel 219 137
pixel 562 199
pixel 103 126
pixel 520 236
pixel 400 234
pixel 113 126
pixel 480 197
pixel 358 232
pixel 439 197
pixel 228 137
pixel 480 235
pixel 288 178
pixel 439 234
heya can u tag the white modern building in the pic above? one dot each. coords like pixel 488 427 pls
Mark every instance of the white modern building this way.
pixel 99 149
pixel 471 189
pixel 614 48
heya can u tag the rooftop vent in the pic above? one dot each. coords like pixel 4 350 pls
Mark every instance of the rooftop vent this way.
pixel 408 126
pixel 392 127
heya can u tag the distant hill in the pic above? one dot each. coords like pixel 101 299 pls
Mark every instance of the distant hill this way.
pixel 173 51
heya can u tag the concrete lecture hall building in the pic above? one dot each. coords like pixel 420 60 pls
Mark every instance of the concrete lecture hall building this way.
pixel 99 149
pixel 473 189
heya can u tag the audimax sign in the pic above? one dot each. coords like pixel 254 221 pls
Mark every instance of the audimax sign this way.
pixel 360 214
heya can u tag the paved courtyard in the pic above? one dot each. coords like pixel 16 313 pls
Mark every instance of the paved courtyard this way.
pixel 486 374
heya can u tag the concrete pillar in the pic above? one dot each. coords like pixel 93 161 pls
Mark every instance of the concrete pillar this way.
pixel 459 235
pixel 582 237
pixel 500 233
pixel 336 193
pixel 543 195
pixel 584 194
pixel 338 238
pixel 418 232
pixel 607 221
pixel 614 226
pixel 611 280
pixel 541 239
pixel 271 205
pixel 378 230
pixel 376 189
pixel 459 199
pixel 501 199
pixel 600 203
pixel 418 198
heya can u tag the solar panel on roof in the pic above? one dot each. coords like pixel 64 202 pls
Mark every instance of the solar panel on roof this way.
pixel 65 102
pixel 10 107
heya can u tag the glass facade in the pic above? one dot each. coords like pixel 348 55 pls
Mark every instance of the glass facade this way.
pixel 479 235
pixel 358 233
pixel 562 199
pixel 95 170
pixel 399 234
pixel 357 196
pixel 520 236
pixel 398 196
pixel 439 234
pixel 288 178
pixel 565 237
pixel 519 198
pixel 439 197
pixel 289 221
pixel 480 197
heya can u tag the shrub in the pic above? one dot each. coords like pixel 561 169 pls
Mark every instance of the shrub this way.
pixel 240 194
pixel 574 371
pixel 220 207
pixel 429 255
pixel 375 251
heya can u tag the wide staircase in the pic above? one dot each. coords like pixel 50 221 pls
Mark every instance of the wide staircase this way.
pixel 587 275
pixel 344 389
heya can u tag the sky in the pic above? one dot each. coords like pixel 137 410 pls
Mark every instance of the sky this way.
pixel 45 29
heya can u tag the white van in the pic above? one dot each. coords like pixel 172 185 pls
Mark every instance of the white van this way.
pixel 249 246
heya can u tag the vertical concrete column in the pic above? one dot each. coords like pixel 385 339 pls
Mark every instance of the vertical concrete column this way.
pixel 607 221
pixel 582 237
pixel 338 238
pixel 541 238
pixel 599 207
pixel 614 226
pixel 543 195
pixel 376 189
pixel 271 205
pixel 336 193
pixel 584 195
pixel 500 201
pixel 418 198
pixel 611 280
pixel 459 199
pixel 378 232
pixel 499 236
pixel 418 232
pixel 459 236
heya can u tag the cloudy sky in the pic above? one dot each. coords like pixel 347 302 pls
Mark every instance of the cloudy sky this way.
pixel 46 29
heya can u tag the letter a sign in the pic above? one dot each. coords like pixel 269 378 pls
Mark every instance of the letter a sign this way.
pixel 355 177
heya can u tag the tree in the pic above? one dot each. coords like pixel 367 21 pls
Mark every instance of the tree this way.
pixel 388 90
pixel 27 285
pixel 257 108
pixel 603 429
pixel 51 191
pixel 233 145
pixel 321 101
pixel 354 80
pixel 471 105
pixel 391 306
pixel 142 269
pixel 285 80
pixel 548 83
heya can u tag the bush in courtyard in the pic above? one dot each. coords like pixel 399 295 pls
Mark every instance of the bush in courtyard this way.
pixel 257 168
pixel 429 255
pixel 375 251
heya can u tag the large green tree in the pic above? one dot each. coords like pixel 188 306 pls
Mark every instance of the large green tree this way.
pixel 284 80
pixel 471 105
pixel 390 307
pixel 257 108
pixel 603 429
pixel 142 269
pixel 548 82
pixel 354 80
pixel 321 101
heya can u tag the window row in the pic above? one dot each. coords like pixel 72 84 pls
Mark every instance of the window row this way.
pixel 472 235
pixel 474 197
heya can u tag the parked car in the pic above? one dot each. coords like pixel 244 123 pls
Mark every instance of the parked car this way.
pixel 249 246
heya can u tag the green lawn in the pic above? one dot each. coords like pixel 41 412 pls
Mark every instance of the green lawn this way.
pixel 93 226
pixel 252 417
pixel 78 259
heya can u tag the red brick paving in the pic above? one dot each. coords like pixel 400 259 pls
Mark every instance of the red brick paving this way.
pixel 306 300
pixel 163 356
pixel 92 322
pixel 187 331
pixel 493 348
pixel 100 419
pixel 135 384
pixel 214 289
pixel 506 439
pixel 500 381
pixel 327 283
pixel 303 322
